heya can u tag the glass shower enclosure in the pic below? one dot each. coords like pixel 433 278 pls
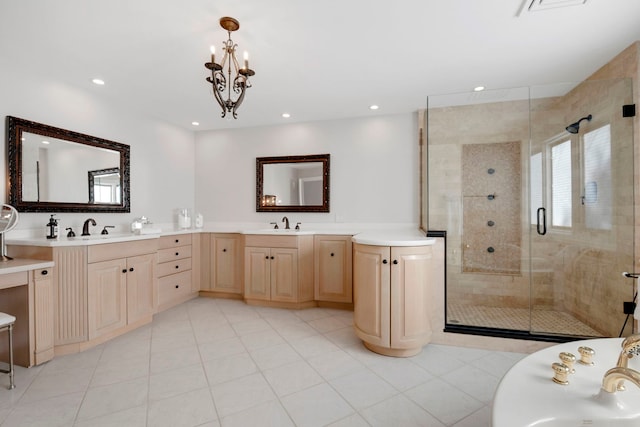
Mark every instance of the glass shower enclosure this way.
pixel 534 189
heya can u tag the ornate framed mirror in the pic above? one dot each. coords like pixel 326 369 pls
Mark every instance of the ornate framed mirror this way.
pixel 292 183
pixel 48 169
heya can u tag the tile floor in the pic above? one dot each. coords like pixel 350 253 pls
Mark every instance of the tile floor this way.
pixel 213 362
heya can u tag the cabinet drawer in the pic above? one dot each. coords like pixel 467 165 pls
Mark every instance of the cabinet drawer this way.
pixel 270 241
pixel 173 287
pixel 171 254
pixel 14 279
pixel 109 251
pixel 174 240
pixel 178 266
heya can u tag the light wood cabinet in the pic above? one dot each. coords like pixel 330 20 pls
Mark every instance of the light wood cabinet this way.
pixel 279 270
pixel 332 268
pixel 225 265
pixel 175 270
pixel 391 298
pixel 43 314
pixel 121 290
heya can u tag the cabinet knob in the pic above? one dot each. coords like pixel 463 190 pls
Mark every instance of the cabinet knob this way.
pixel 44 272
pixel 177 266
pixel 177 240
pixel 124 270
pixel 177 253
pixel 271 257
pixel 177 286
pixel 384 261
pixel 267 257
pixel 331 253
pixel 395 261
pixel 224 250
pixel 131 269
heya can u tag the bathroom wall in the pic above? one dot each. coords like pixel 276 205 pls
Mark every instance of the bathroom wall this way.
pixel 374 175
pixel 162 156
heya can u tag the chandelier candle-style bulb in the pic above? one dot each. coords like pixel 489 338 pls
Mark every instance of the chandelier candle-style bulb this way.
pixel 228 81
pixel 213 54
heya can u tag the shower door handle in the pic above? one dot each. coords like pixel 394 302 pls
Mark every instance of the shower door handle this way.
pixel 541 226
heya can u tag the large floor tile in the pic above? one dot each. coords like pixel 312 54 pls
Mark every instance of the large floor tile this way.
pixel 293 377
pixel 316 406
pixel 240 394
pixel 103 400
pixel 185 410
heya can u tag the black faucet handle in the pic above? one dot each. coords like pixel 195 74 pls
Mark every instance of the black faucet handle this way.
pixel 70 233
pixel 104 230
pixel 275 225
pixel 298 225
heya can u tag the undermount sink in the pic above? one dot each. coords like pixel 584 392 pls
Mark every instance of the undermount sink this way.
pixel 527 396
pixel 280 231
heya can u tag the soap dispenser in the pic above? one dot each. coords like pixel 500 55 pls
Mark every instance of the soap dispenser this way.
pixel 52 228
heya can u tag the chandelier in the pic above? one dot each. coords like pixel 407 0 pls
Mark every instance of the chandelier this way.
pixel 227 78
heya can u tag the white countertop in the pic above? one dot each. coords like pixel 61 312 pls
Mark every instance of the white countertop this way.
pixel 370 234
pixel 393 238
pixel 18 265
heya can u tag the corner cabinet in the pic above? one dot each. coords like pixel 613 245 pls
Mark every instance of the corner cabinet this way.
pixel 224 272
pixel 391 297
pixel 332 269
pixel 278 270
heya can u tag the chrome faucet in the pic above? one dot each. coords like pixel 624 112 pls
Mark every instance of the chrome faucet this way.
pixel 286 223
pixel 85 227
pixel 614 378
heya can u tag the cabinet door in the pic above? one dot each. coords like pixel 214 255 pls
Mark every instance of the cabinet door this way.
pixel 284 274
pixel 257 273
pixel 410 273
pixel 107 296
pixel 225 271
pixel 44 315
pixel 141 289
pixel 371 293
pixel 332 280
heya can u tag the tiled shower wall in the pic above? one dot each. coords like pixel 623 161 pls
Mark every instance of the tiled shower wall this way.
pixel 491 208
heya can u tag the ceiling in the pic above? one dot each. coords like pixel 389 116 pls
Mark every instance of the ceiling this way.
pixel 317 60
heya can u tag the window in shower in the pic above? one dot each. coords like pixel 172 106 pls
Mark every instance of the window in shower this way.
pixel 561 210
pixel 597 198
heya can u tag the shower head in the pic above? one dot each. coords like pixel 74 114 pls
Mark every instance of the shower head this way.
pixel 575 127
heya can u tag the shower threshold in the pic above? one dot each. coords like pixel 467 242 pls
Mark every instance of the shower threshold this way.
pixel 544 325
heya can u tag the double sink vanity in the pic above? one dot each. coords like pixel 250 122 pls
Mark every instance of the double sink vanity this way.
pixel 98 287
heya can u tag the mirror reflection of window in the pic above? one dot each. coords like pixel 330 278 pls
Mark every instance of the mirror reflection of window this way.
pixel 105 185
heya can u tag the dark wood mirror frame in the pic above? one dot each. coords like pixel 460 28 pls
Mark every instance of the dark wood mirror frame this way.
pixel 316 158
pixel 15 127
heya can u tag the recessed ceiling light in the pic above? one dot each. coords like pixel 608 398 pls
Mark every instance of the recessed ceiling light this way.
pixel 286 115
pixel 195 123
pixel 99 82
pixel 373 107
pixel 478 88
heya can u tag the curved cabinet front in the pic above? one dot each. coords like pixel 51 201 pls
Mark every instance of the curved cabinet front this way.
pixel 391 297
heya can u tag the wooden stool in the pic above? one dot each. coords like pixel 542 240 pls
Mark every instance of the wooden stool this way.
pixel 6 323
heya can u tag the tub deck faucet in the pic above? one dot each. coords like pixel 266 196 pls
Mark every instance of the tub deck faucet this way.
pixel 85 227
pixel 614 378
pixel 630 348
pixel 286 223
